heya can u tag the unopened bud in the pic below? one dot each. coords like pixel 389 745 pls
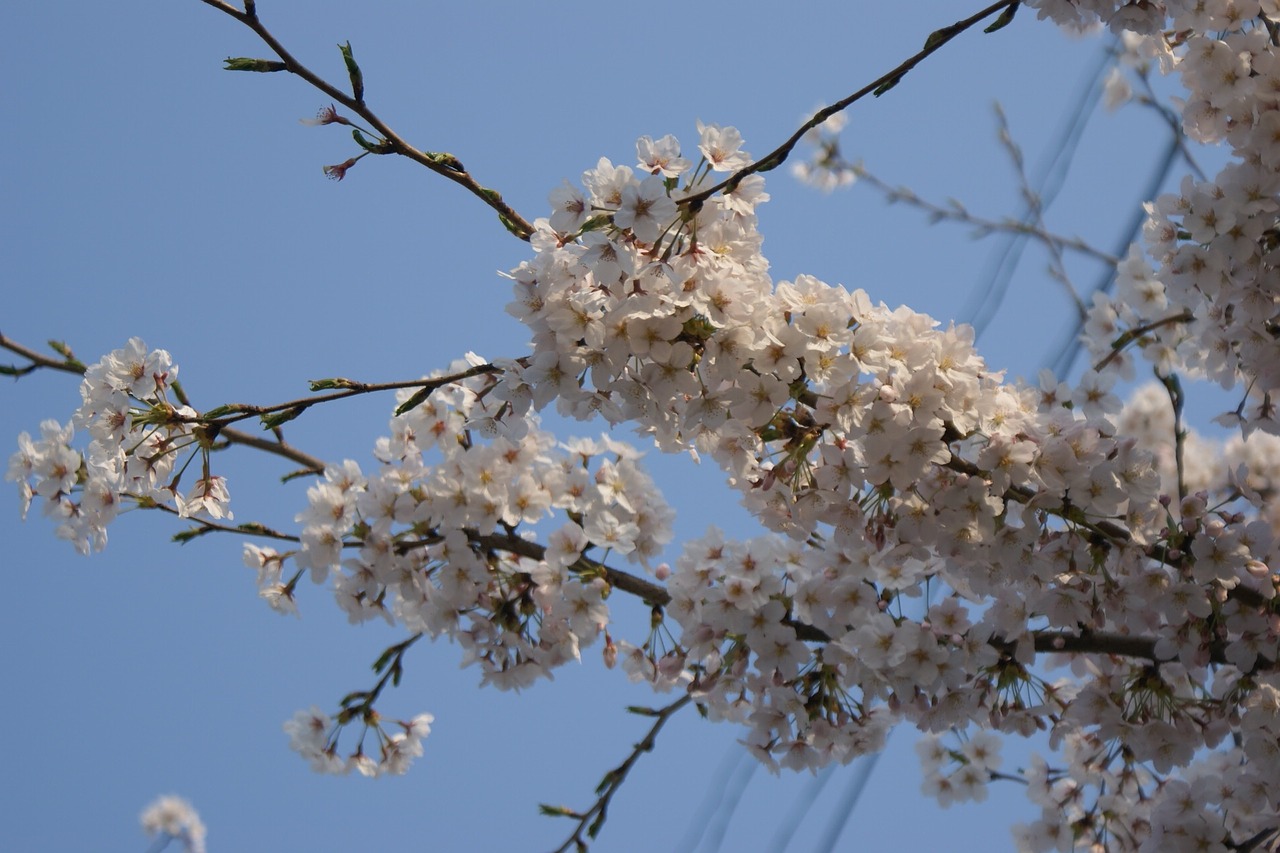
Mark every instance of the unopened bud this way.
pixel 245 63
pixel 610 651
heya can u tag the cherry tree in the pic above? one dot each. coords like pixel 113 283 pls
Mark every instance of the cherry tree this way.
pixel 939 546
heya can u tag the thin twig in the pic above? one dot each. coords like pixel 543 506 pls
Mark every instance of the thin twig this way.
pixel 359 705
pixel 880 85
pixel 1035 211
pixel 204 525
pixel 956 213
pixel 444 165
pixel 218 418
pixel 1176 401
pixel 591 820
pixel 1136 333
pixel 68 364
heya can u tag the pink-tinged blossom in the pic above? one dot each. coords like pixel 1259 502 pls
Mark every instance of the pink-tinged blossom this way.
pixel 645 209
pixel 722 147
pixel 661 157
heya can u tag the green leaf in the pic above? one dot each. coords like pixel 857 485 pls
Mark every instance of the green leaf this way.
pixel 65 351
pixel 353 71
pixel 595 223
pixel 371 147
pixel 444 158
pixel 329 384
pixel 246 63
pixel 354 697
pixel 253 527
pixel 937 37
pixel 274 420
pixel 412 403
pixel 557 811
pixel 768 164
pixel 1006 18
pixel 888 84
pixel 510 224
pixel 185 536
pixel 220 411
pixel 384 659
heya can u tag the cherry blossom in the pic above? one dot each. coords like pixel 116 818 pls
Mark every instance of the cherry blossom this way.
pixel 935 538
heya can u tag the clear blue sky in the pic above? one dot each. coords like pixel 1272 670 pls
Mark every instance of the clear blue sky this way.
pixel 146 192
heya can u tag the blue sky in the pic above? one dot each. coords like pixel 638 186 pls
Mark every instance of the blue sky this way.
pixel 149 193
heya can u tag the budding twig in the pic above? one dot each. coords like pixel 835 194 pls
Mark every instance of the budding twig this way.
pixel 591 820
pixel 444 165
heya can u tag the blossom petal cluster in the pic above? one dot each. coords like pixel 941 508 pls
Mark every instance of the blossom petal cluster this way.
pixel 313 734
pixel 889 462
pixel 171 818
pixel 138 443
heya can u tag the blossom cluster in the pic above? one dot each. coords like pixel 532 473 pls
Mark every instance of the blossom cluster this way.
pixel 313 734
pixel 970 767
pixel 1203 302
pixel 890 464
pixel 170 818
pixel 140 443
pixel 442 547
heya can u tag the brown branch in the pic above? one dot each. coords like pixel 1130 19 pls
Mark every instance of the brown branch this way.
pixel 878 86
pixel 218 425
pixel 69 363
pixel 218 418
pixel 1087 642
pixel 313 464
pixel 204 525
pixel 1137 332
pixel 648 592
pixel 445 165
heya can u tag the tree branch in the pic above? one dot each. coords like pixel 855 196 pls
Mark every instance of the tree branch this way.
pixel 878 87
pixel 445 165
pixel 69 363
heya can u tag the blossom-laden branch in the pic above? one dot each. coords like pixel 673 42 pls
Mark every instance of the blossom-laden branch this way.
pixel 936 40
pixel 591 821
pixel 652 594
pixel 315 735
pixel 881 454
pixel 389 142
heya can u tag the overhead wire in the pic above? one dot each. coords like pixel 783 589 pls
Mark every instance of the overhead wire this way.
pixel 711 802
pixel 998 275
